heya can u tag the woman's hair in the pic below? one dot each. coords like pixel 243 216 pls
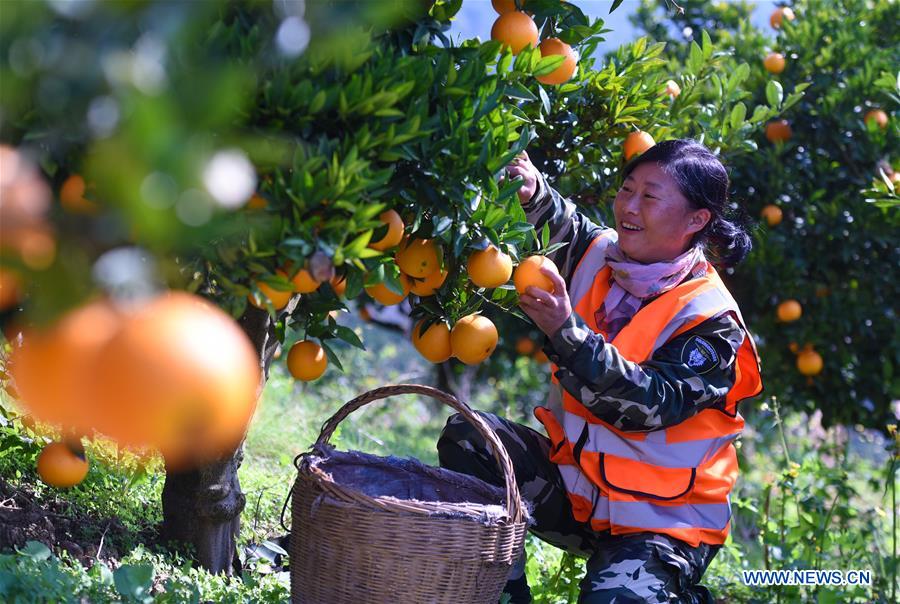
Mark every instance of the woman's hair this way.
pixel 703 180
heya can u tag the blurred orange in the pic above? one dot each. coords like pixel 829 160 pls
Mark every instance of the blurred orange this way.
pixel 180 376
pixel 52 368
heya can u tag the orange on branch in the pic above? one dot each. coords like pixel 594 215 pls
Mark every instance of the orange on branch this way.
pixel 71 196
pixel 779 14
pixel 515 30
pixel 307 361
pixel 428 285
pixel 778 131
pixel 774 62
pixel 636 143
pixel 394 233
pixel 381 293
pixel 489 267
pixel 418 257
pixel 473 339
pixel 303 282
pixel 10 288
pixel 180 376
pixel 529 273
pixel 505 6
pixel 434 344
pixel 672 88
pixel 257 202
pixel 61 467
pixel 278 298
pixel 339 285
pixel 772 214
pixel 789 310
pixel 563 73
pixel 525 346
pixel 878 116
pixel 809 362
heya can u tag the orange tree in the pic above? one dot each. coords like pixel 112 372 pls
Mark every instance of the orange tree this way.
pixel 248 153
pixel 833 244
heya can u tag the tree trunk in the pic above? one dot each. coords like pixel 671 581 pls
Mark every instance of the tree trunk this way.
pixel 202 507
pixel 457 383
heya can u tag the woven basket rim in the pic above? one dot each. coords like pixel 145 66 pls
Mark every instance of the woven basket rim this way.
pixel 307 470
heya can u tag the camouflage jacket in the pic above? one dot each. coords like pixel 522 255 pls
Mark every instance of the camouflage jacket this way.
pixel 663 391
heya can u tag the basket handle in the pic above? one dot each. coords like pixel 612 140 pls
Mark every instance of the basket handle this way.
pixel 513 499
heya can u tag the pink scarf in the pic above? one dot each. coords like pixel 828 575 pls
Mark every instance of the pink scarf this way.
pixel 633 282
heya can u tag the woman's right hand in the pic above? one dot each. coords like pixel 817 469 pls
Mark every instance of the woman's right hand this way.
pixel 521 167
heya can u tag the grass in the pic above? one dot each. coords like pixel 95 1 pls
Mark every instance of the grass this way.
pixel 805 498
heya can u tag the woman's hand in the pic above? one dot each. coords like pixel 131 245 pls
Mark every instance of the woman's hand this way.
pixel 521 167
pixel 548 311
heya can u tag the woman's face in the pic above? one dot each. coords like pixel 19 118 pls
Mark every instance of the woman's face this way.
pixel 654 220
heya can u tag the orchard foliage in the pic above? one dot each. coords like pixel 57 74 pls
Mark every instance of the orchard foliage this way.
pixel 836 249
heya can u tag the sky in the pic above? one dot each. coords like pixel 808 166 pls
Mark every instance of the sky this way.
pixel 476 17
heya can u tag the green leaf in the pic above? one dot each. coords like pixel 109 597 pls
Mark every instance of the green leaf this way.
pixel 548 64
pixel 518 91
pixel 332 357
pixel 738 113
pixel 707 45
pixel 545 235
pixel 134 581
pixel 318 102
pixel 695 62
pixel 349 336
pixel 774 94
pixel 36 550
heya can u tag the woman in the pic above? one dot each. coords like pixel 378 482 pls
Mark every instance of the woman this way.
pixel 649 357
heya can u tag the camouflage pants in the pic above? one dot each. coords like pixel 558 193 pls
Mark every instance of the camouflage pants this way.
pixel 643 567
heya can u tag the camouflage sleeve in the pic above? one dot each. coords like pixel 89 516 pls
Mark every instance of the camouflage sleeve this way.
pixel 687 374
pixel 566 223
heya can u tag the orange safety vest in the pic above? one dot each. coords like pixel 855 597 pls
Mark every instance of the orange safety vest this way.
pixel 676 480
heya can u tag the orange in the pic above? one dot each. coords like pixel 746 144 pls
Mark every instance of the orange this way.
pixel 789 310
pixel 822 291
pixel 339 285
pixel 489 267
pixel 418 257
pixel 529 273
pixel 782 12
pixel 473 339
pixel 515 30
pixel 60 467
pixel 505 6
pixel 10 286
pixel 637 142
pixel 307 361
pixel 257 202
pixel 303 282
pixel 525 346
pixel 180 376
pixel 778 131
pixel 879 116
pixel 540 357
pixel 563 73
pixel 434 344
pixel 672 88
pixel 52 368
pixel 809 362
pixel 381 293
pixel 774 62
pixel 794 347
pixel 772 214
pixel 277 297
pixel 71 196
pixel 394 233
pixel 428 285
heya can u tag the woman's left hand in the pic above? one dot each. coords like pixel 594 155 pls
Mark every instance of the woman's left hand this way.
pixel 548 310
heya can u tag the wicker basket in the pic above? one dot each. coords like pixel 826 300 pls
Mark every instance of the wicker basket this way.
pixel 351 545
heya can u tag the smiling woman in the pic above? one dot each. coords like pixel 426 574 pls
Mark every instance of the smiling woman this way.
pixel 650 358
